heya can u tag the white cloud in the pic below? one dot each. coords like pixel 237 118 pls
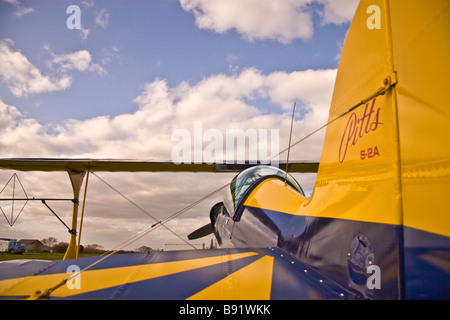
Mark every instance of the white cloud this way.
pixel 102 18
pixel 84 33
pixel 283 21
pixel 22 77
pixel 219 101
pixel 80 60
pixel 87 3
pixel 254 19
pixel 20 11
pixel 111 55
pixel 310 86
pixel 338 11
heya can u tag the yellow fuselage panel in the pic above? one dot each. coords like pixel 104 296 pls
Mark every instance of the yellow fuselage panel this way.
pixel 388 160
pixel 421 58
pixel 93 280
pixel 274 194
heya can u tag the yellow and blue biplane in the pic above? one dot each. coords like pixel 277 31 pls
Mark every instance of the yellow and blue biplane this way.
pixel 377 225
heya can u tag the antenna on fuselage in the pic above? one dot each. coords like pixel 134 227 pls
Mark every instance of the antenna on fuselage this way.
pixel 289 146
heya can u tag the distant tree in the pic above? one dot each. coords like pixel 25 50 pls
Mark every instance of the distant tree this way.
pixel 144 249
pixel 60 247
pixel 49 242
pixel 93 248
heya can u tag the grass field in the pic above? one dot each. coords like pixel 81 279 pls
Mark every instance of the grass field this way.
pixel 39 256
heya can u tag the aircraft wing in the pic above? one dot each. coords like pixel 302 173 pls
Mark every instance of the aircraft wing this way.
pixel 221 274
pixel 115 165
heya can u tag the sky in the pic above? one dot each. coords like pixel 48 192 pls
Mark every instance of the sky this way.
pixel 117 80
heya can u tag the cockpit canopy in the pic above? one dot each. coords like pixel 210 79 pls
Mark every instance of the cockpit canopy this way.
pixel 247 178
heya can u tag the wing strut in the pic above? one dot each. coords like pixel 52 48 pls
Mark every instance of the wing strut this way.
pixel 76 179
pixel 82 213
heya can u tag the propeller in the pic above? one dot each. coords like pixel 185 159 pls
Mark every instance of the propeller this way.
pixel 201 232
pixel 208 228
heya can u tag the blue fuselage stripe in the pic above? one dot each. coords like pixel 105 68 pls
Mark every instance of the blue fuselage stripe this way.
pixel 413 263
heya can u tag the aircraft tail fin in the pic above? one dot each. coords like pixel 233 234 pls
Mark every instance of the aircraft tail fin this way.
pixel 385 165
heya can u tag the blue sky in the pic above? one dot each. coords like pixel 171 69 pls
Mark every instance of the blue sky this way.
pixel 139 42
pixel 137 71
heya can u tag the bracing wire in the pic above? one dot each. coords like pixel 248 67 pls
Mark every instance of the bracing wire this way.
pixel 140 208
pixel 289 145
pixel 380 91
pixel 387 83
pixel 138 236
pixel 163 222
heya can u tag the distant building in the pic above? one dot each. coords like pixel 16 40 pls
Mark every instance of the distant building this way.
pixel 34 245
